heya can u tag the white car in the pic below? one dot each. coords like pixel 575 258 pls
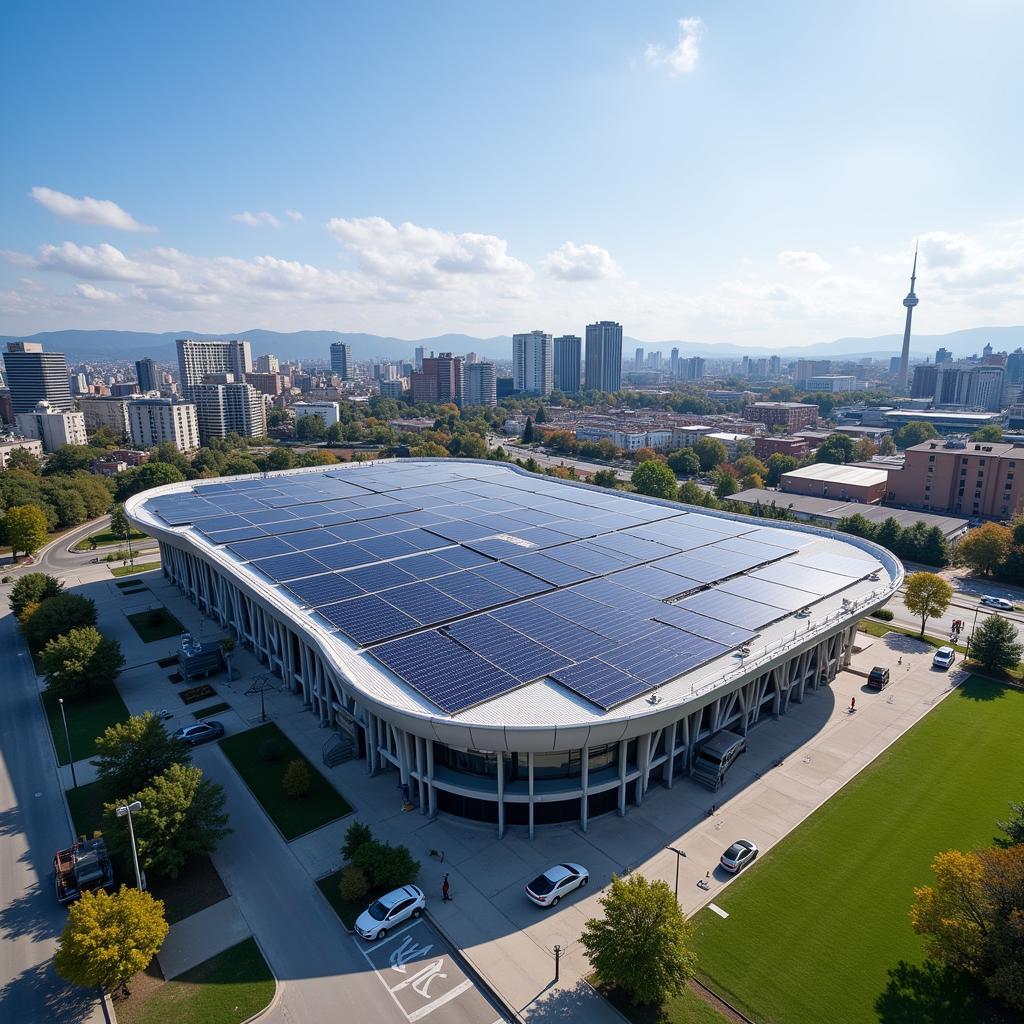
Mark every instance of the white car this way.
pixel 738 856
pixel 163 715
pixel 547 889
pixel 383 914
pixel 997 602
pixel 943 657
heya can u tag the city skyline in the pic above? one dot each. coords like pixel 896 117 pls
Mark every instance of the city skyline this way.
pixel 102 233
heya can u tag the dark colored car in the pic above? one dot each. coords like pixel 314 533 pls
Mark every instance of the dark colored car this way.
pixel 878 678
pixel 203 732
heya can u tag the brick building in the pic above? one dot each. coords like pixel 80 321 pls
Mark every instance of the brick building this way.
pixel 790 415
pixel 849 483
pixel 767 445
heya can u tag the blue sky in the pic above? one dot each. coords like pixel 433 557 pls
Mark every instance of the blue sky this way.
pixel 739 172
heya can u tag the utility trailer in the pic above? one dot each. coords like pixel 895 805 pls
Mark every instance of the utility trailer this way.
pixel 82 867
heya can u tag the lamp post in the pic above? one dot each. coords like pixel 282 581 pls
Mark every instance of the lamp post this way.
pixel 679 856
pixel 122 811
pixel 67 739
pixel 973 627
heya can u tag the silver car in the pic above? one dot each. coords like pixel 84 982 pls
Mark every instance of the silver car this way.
pixel 738 856
pixel 547 889
pixel 382 915
pixel 997 602
pixel 202 732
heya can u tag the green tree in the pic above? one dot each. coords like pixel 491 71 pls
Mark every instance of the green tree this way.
pixel 57 615
pixel 80 661
pixel 995 644
pixel 1013 827
pixel 913 432
pixel 132 753
pixel 386 866
pixel 23 459
pixel 110 938
pixel 656 480
pixel 710 453
pixel 297 779
pixel 355 835
pixel 152 474
pixel 182 816
pixel 310 428
pixel 984 548
pixel 836 448
pixel 528 431
pixel 990 432
pixel 33 588
pixel 684 462
pixel 26 528
pixel 927 595
pixel 642 945
pixel 750 465
pixel 605 478
pixel 70 458
pixel 470 446
pixel 777 464
pixel 353 884
pixel 887 446
pixel 691 493
pixel 120 524
pixel 542 416
pixel 428 450
pixel 726 485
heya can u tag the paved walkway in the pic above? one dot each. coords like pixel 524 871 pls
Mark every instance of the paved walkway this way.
pixel 200 936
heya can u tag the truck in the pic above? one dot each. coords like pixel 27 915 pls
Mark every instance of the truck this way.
pixel 82 867
pixel 715 756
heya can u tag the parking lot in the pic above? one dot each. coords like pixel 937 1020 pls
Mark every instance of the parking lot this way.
pixel 422 977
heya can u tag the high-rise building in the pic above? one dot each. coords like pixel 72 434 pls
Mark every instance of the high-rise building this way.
pixel 341 360
pixel 638 358
pixel 673 366
pixel 266 383
pixel 198 359
pixel 1015 375
pixel 910 302
pixel 692 368
pixel 943 355
pixel 774 366
pixel 35 376
pixel 533 362
pixel 442 379
pixel 392 388
pixel 147 374
pixel 105 411
pixel 925 378
pixel 604 356
pixel 481 384
pixel 227 407
pixel 805 368
pixel 894 364
pixel 79 385
pixel 268 363
pixel 421 353
pixel 568 351
pixel 153 420
pixel 54 427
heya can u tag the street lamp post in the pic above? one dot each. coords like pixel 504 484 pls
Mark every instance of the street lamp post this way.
pixel 679 856
pixel 67 739
pixel 973 627
pixel 122 811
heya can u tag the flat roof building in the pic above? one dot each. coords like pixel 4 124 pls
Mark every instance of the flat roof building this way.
pixel 35 376
pixel 53 426
pixel 153 420
pixel 824 480
pixel 516 649
pixel 790 415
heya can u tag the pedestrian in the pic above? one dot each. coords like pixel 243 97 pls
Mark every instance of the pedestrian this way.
pixel 900 662
pixel 445 890
pixel 853 703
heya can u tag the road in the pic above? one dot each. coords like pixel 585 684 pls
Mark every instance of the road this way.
pixel 320 968
pixel 964 606
pixel 521 452
pixel 56 558
pixel 33 824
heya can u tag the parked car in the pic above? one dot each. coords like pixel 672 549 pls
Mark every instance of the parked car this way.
pixel 997 602
pixel 738 856
pixel 878 678
pixel 383 914
pixel 163 714
pixel 202 732
pixel 547 889
pixel 943 657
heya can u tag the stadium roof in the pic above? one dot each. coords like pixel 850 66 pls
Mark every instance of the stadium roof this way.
pixel 479 591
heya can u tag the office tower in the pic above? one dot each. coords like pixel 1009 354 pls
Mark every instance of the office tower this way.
pixel 568 350
pixel 894 364
pixel 638 359
pixel 774 366
pixel 35 376
pixel 268 364
pixel 943 355
pixel 805 368
pixel 105 411
pixel 673 365
pixel 481 384
pixel 1015 375
pixel 653 360
pixel 152 420
pixel 421 353
pixel 603 356
pixel 533 362
pixel 692 368
pixel 910 302
pixel 266 383
pixel 147 374
pixel 392 388
pixel 79 385
pixel 341 360
pixel 224 407
pixel 54 427
pixel 198 359
pixel 925 378
pixel 506 387
pixel 441 380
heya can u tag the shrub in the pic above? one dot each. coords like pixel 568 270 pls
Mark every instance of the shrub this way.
pixel 297 779
pixel 271 750
pixel 354 884
pixel 57 615
pixel 32 588
pixel 882 613
pixel 355 836
pixel 386 866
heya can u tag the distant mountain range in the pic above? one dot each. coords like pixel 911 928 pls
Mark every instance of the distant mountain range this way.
pixel 100 345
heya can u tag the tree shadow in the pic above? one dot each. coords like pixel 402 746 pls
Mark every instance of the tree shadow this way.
pixel 562 1006
pixel 11 821
pixel 979 689
pixel 29 915
pixel 38 994
pixel 931 994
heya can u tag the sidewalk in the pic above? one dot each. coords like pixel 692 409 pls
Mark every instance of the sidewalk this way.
pixel 196 938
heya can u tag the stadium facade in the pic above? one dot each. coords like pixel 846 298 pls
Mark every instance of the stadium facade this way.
pixel 521 650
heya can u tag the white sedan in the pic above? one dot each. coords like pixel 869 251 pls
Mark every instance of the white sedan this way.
pixel 997 602
pixel 382 915
pixel 547 889
pixel 738 856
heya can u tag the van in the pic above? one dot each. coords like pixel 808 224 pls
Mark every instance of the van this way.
pixel 878 678
pixel 716 755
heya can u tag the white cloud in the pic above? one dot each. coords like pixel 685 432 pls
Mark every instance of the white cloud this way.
pixel 798 259
pixel 256 220
pixel 102 212
pixel 425 258
pixel 683 57
pixel 294 215
pixel 94 294
pixel 572 262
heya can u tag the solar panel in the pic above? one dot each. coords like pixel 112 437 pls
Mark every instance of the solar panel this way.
pixel 368 619
pixel 802 577
pixel 701 625
pixel 342 556
pixel 463 558
pixel 444 672
pixel 353 531
pixel 426 566
pixel 542 536
pixel 548 569
pixel 511 651
pixel 308 539
pixel 269 517
pixel 498 547
pixel 648 579
pixel 460 531
pixel 581 555
pixel 600 683
pixel 425 603
pixel 321 590
pixel 391 546
pixel 511 579
pixel 263 547
pixel 732 609
pixel 638 547
pixel 774 594
pixel 421 540
pixel 473 590
pixel 373 578
pixel 288 567
pixel 844 565
pixel 561 635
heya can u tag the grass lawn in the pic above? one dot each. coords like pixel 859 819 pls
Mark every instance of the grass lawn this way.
pixel 686 1008
pixel 293 817
pixel 879 629
pixel 226 989
pixel 347 910
pixel 211 710
pixel 130 570
pixel 87 718
pixel 105 537
pixel 156 624
pixel 819 930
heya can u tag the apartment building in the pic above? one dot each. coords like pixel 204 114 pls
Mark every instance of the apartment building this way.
pixel 789 415
pixel 53 426
pixel 153 420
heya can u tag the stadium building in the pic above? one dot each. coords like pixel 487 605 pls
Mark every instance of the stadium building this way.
pixel 520 649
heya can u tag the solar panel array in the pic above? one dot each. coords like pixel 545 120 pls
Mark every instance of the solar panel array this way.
pixel 468 581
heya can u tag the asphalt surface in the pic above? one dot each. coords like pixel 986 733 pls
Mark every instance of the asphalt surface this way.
pixel 56 559
pixel 33 824
pixel 319 967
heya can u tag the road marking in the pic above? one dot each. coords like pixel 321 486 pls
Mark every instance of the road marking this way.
pixel 439 1002
pixel 717 909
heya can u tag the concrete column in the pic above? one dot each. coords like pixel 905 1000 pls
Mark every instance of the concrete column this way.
pixel 643 757
pixel 404 757
pixel 622 778
pixel 585 786
pixel 501 794
pixel 670 748
pixel 431 792
pixel 371 743
pixel 529 770
pixel 421 785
